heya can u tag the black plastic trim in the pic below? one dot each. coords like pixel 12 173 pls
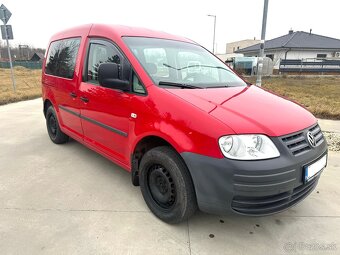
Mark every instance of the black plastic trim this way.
pixel 68 110
pixel 117 131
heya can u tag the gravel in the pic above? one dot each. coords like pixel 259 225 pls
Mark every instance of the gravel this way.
pixel 333 140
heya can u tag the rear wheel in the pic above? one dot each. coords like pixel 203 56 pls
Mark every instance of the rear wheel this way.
pixel 166 185
pixel 53 128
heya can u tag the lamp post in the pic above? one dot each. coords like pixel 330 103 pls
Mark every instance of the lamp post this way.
pixel 263 37
pixel 214 16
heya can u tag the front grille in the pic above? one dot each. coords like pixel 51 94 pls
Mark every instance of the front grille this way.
pixel 272 204
pixel 297 143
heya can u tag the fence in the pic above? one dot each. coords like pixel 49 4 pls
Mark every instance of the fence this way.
pixel 27 64
pixel 309 66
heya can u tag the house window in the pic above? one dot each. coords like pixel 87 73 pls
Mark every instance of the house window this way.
pixel 271 56
pixel 321 56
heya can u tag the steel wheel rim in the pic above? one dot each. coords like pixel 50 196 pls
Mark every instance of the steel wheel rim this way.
pixel 52 123
pixel 161 186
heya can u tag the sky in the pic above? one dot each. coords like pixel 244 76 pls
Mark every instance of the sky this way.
pixel 35 21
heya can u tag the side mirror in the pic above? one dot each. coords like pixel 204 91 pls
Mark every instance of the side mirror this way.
pixel 108 76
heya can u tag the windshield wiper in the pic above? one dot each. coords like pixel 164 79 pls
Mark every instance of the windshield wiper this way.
pixel 180 85
pixel 220 86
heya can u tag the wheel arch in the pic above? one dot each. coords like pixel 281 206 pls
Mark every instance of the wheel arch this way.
pixel 47 103
pixel 143 145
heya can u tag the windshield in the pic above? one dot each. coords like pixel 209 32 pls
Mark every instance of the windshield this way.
pixel 174 62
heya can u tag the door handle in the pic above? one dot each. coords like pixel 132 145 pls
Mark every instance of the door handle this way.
pixel 73 95
pixel 84 99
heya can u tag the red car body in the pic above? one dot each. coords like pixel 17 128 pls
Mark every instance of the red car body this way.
pixel 190 120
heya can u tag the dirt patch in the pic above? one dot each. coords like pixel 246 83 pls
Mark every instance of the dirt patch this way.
pixel 320 95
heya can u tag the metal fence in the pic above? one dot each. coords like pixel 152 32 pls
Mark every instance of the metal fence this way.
pixel 313 65
pixel 27 64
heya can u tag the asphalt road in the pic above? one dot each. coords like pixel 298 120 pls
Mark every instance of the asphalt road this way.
pixel 66 199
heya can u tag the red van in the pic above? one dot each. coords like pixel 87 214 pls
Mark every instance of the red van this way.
pixel 192 133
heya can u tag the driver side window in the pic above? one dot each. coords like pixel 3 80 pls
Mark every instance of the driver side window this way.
pixel 98 54
pixel 101 51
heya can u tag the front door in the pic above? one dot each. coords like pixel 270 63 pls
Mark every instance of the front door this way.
pixel 105 112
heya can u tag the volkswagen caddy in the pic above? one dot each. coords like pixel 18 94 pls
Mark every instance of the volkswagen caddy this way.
pixel 193 134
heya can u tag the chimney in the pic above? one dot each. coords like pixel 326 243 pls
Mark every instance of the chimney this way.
pixel 291 31
pixel 310 31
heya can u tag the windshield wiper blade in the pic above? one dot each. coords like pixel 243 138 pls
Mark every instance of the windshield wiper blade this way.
pixel 218 86
pixel 180 85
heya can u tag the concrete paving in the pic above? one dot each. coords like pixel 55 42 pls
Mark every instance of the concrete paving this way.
pixel 330 125
pixel 66 199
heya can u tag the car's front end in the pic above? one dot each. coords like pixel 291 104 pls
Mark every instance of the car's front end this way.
pixel 265 186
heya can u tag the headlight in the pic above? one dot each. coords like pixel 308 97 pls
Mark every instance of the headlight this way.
pixel 248 147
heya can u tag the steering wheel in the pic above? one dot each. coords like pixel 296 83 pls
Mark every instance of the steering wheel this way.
pixel 198 77
pixel 193 77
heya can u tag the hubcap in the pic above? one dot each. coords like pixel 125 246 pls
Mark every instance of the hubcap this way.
pixel 161 186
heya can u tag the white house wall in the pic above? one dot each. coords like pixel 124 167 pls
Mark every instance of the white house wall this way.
pixel 280 54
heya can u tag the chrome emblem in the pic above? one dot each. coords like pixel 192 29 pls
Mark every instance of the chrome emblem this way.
pixel 311 139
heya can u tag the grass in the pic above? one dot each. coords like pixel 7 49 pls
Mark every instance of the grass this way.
pixel 28 85
pixel 320 95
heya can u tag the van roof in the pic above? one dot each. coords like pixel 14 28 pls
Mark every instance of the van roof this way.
pixel 116 31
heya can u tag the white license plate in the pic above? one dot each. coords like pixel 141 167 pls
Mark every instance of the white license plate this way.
pixel 312 170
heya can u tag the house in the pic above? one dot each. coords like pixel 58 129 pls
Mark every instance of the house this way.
pixel 296 46
pixel 234 46
pixel 37 57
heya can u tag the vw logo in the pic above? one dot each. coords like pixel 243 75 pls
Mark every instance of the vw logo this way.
pixel 311 139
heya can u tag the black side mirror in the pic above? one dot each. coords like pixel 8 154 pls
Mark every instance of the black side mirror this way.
pixel 108 76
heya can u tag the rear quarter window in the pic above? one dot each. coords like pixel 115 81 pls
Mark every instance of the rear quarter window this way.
pixel 61 57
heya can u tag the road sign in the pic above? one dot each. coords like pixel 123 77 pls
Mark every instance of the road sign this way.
pixel 9 32
pixel 5 14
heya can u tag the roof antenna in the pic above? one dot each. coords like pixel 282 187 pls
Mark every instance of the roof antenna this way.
pixel 310 31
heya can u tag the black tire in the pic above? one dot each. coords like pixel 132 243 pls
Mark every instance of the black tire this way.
pixel 166 185
pixel 53 128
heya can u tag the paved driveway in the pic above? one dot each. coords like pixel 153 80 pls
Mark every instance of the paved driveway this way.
pixel 67 199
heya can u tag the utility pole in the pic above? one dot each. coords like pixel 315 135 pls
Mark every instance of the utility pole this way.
pixel 10 61
pixel 263 38
pixel 214 16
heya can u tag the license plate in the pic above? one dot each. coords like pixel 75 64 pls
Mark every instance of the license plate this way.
pixel 312 170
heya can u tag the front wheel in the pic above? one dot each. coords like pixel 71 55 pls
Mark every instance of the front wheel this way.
pixel 166 185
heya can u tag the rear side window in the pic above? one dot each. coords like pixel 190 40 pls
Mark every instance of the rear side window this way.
pixel 61 57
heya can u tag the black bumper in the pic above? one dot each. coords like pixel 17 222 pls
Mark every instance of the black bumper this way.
pixel 257 188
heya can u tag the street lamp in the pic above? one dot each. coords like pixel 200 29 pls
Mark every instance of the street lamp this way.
pixel 263 37
pixel 214 16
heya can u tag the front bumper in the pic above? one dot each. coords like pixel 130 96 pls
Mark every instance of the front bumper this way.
pixel 257 188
